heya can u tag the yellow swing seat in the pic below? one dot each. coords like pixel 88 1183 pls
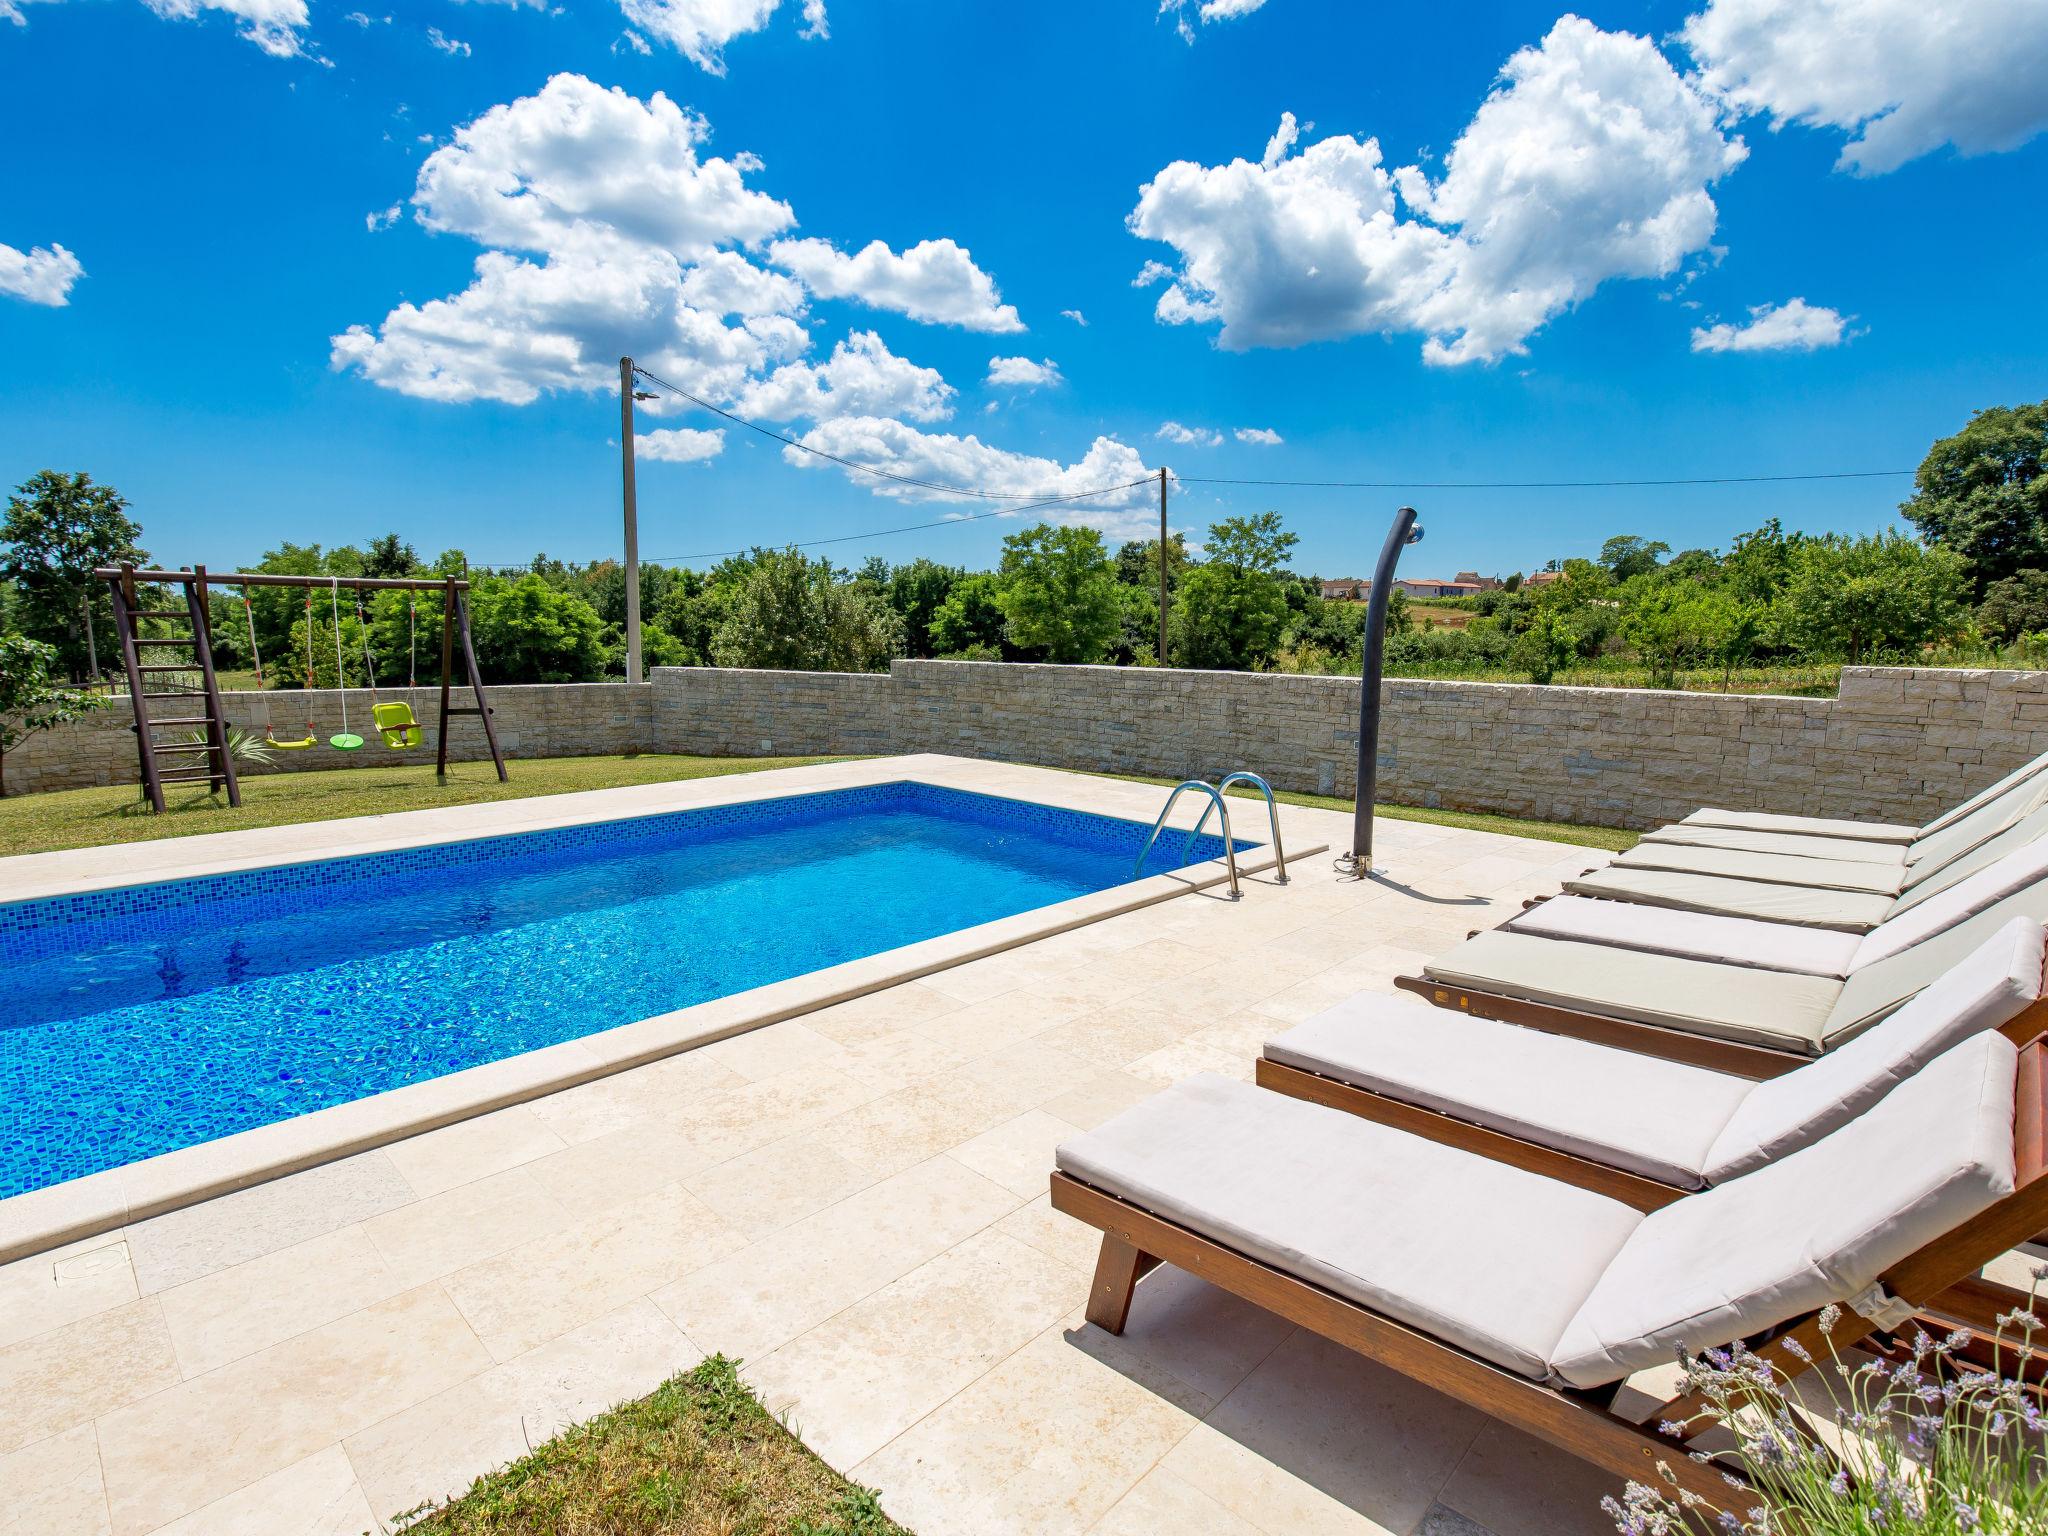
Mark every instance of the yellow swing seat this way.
pixel 396 724
pixel 270 740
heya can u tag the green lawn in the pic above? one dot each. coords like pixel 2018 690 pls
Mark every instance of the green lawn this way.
pixel 699 1456
pixel 90 818
pixel 87 818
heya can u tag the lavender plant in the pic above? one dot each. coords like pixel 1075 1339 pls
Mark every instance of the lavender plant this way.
pixel 1928 1445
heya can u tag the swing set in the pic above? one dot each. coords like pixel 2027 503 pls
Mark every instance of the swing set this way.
pixel 393 720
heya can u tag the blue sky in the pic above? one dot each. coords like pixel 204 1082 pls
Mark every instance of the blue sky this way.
pixel 1588 273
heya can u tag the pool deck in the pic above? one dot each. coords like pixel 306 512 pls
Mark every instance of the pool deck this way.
pixel 852 1201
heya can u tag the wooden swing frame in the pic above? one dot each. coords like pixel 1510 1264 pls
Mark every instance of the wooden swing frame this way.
pixel 124 581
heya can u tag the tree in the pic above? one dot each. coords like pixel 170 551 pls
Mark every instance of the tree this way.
pixel 970 620
pixel 527 632
pixel 1626 555
pixel 1857 599
pixel 1548 645
pixel 1671 624
pixel 1983 493
pixel 29 700
pixel 389 556
pixel 1137 563
pixel 2015 606
pixel 1058 593
pixel 1232 608
pixel 790 613
pixel 916 591
pixel 57 528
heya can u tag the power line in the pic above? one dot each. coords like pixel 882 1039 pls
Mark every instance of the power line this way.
pixel 880 533
pixel 1542 485
pixel 865 469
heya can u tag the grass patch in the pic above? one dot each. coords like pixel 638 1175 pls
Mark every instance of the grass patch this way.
pixel 699 1456
pixel 1611 838
pixel 91 818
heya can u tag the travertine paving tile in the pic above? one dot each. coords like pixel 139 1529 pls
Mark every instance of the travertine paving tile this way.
pixel 1098 1098
pixel 858 1379
pixel 53 1488
pixel 1018 1153
pixel 318 1496
pixel 1319 1436
pixel 1046 1442
pixel 766 1294
pixel 436 1448
pixel 1162 1502
pixel 73 1374
pixel 527 1295
pixel 620 1166
pixel 48 1290
pixel 1515 1485
pixel 235 1312
pixel 437 1236
pixel 472 1149
pixel 913 1124
pixel 271 1409
pixel 1184 1332
pixel 785 1181
pixel 994 1023
pixel 724 1124
pixel 1025 1075
pixel 761 1053
pixel 881 1013
pixel 233 1229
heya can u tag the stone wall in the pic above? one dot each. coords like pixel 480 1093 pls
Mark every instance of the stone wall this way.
pixel 538 720
pixel 1895 745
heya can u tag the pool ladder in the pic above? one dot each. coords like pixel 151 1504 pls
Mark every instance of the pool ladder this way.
pixel 1215 792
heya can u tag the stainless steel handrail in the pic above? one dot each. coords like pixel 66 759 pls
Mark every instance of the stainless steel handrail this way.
pixel 1229 843
pixel 1272 811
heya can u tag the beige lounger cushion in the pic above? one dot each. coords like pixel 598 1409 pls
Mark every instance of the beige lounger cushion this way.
pixel 1481 1255
pixel 1816 1227
pixel 1985 822
pixel 1731 1002
pixel 1924 883
pixel 2019 775
pixel 1916 924
pixel 1993 985
pixel 1806 905
pixel 1794 844
pixel 1626 1110
pixel 1691 935
pixel 1777 868
pixel 1875 990
pixel 1801 826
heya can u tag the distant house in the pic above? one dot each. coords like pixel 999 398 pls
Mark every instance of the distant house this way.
pixel 1542 578
pixel 1478 582
pixel 1347 589
pixel 1432 587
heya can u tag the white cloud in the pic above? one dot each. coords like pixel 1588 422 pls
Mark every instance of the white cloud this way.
pixel 1023 373
pixel 679 445
pixel 1265 437
pixel 41 275
pixel 375 222
pixel 365 21
pixel 861 378
pixel 700 29
pixel 275 26
pixel 575 166
pixel 934 280
pixel 1590 160
pixel 1207 10
pixel 449 45
pixel 1197 437
pixel 948 459
pixel 1076 316
pixel 1794 326
pixel 1904 77
pixel 726 283
pixel 633 40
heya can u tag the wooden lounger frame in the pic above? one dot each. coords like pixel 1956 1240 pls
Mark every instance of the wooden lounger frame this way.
pixel 1134 1240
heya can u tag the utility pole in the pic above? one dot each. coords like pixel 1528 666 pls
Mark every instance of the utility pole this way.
pixel 632 520
pixel 92 650
pixel 1162 566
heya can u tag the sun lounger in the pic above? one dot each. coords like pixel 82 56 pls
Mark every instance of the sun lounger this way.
pixel 1866 831
pixel 1636 1127
pixel 1778 946
pixel 1731 1018
pixel 1532 1299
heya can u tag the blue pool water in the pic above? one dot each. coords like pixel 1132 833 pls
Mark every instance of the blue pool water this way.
pixel 153 1017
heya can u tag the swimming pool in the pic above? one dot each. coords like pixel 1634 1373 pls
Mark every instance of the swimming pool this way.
pixel 147 1018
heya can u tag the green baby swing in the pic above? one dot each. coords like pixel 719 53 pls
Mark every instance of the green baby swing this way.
pixel 395 724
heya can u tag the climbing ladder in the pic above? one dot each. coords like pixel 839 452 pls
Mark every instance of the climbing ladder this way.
pixel 1213 794
pixel 176 761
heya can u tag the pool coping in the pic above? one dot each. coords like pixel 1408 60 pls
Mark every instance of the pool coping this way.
pixel 112 1198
